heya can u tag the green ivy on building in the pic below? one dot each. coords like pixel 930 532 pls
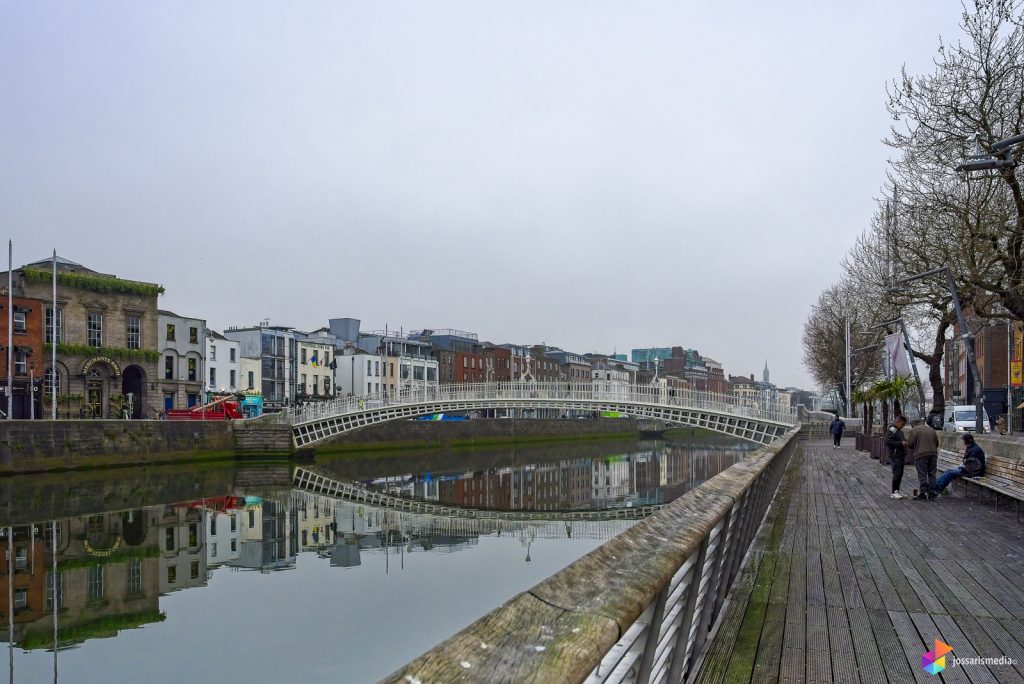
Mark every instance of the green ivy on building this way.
pixel 118 353
pixel 95 283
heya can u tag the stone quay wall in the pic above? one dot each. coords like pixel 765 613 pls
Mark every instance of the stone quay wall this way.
pixel 45 445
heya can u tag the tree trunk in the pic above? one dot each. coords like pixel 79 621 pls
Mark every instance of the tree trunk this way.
pixel 885 413
pixel 934 361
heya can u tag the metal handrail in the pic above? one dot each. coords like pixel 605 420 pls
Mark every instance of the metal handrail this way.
pixel 639 608
pixel 574 396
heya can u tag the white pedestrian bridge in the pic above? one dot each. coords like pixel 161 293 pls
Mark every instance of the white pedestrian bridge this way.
pixel 759 422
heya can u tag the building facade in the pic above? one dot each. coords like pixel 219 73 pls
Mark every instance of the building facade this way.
pixel 277 350
pixel 182 359
pixel 223 365
pixel 106 336
pixel 26 355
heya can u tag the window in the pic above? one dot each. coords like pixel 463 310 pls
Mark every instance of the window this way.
pixel 213 352
pixel 50 590
pixel 252 519
pixel 369 367
pixel 94 325
pixel 234 544
pixel 172 574
pixel 213 525
pixel 213 549
pixel 327 358
pixel 20 599
pixel 327 385
pixel 376 368
pixel 133 329
pixel 231 374
pixel 417 373
pixel 170 332
pixel 20 325
pixel 231 355
pixel 303 356
pixel 20 363
pixel 169 539
pixel 193 335
pixel 168 368
pixel 316 385
pixel 234 523
pixel 213 377
pixel 302 382
pixel 134 584
pixel 192 365
pixel 193 534
pixel 48 334
pixel 194 570
pixel 369 388
pixel 252 381
pixel 96 589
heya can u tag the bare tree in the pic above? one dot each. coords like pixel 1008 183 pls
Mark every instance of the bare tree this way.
pixel 973 98
pixel 824 339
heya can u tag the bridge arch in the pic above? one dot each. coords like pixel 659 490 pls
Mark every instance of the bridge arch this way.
pixel 759 423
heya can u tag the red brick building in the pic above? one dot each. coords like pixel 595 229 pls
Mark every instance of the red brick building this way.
pixel 27 353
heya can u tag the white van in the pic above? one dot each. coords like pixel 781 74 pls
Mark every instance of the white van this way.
pixel 962 419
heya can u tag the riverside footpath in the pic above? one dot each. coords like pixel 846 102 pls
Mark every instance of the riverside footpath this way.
pixel 845 584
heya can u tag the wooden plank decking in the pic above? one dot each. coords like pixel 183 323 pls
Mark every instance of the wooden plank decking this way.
pixel 844 584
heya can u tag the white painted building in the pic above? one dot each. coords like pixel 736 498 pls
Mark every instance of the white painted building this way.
pixel 223 534
pixel 359 372
pixel 181 371
pixel 315 379
pixel 182 538
pixel 223 364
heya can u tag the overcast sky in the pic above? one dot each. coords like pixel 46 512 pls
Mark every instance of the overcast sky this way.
pixel 594 175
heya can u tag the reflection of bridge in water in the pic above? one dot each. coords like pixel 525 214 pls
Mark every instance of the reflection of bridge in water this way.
pixel 756 422
pixel 358 517
pixel 311 481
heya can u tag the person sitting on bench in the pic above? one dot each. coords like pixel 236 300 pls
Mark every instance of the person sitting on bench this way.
pixel 973 465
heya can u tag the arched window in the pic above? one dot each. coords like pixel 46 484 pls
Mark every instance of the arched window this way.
pixel 51 379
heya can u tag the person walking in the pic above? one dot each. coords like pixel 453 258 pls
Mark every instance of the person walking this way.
pixel 925 444
pixel 836 430
pixel 973 465
pixel 897 446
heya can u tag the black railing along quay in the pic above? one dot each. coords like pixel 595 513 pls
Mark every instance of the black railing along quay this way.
pixel 638 609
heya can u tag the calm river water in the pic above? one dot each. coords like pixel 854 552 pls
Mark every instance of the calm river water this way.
pixel 228 573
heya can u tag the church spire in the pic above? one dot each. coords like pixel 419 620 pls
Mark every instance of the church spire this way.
pixel 766 371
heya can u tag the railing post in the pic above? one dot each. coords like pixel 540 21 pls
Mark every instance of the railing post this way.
pixel 653 632
pixel 686 617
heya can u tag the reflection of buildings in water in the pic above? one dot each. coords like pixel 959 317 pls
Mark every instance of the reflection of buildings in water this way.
pixel 223 533
pixel 315 520
pixel 267 540
pixel 658 472
pixel 182 537
pixel 107 577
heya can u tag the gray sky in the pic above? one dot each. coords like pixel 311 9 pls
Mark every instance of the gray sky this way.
pixel 593 175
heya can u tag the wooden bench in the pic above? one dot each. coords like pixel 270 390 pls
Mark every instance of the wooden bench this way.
pixel 999 486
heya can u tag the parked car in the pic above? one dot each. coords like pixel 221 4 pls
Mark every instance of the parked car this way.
pixel 963 419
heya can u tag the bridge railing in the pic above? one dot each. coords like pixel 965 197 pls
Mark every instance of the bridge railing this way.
pixel 584 393
pixel 637 609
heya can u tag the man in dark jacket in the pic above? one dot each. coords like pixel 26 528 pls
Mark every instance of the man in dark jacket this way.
pixel 973 465
pixel 925 444
pixel 836 430
pixel 897 447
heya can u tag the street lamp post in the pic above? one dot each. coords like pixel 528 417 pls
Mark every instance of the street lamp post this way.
pixel 979 420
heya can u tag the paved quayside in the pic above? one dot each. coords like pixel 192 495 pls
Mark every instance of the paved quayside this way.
pixel 845 584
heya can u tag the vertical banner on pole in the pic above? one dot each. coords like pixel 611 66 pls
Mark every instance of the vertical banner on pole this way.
pixel 899 362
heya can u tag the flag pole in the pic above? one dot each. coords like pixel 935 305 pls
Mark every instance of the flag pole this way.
pixel 53 344
pixel 10 328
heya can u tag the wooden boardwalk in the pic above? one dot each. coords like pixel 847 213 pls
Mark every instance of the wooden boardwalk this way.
pixel 844 584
